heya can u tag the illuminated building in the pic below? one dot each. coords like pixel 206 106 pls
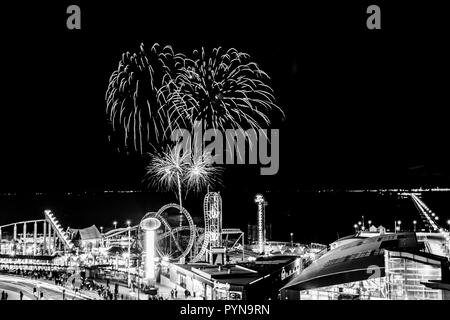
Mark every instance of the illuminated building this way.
pixel 252 233
pixel 378 266
pixel 86 239
pixel 259 279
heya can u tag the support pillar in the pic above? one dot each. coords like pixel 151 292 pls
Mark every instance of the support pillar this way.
pixel 44 244
pixel 243 251
pixel 261 223
pixel 35 239
pixel 49 242
pixel 15 238
pixel 24 241
pixel 55 239
pixel 0 240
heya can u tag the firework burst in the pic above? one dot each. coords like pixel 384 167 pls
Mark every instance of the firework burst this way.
pixel 175 169
pixel 167 169
pixel 133 96
pixel 201 173
pixel 223 89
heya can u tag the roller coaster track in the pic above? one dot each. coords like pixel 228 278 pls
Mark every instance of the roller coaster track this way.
pixel 118 231
pixel 231 231
pixel 21 223
pixel 194 235
pixel 203 249
pixel 53 224
pixel 206 240
pixel 59 230
pixel 208 227
pixel 190 227
pixel 172 232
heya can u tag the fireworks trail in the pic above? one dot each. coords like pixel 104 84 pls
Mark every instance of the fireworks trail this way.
pixel 175 169
pixel 223 89
pixel 167 169
pixel 201 173
pixel 133 96
pixel 153 92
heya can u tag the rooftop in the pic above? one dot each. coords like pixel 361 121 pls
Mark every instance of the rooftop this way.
pixel 90 233
pixel 350 261
pixel 242 273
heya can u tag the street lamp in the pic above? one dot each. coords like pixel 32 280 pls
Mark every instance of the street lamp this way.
pixel 102 243
pixel 292 239
pixel 356 227
pixel 399 222
pixel 115 224
pixel 38 291
pixel 129 252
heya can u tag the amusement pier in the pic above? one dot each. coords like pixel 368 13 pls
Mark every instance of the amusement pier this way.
pixel 169 256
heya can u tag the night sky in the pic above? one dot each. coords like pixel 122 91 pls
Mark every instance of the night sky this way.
pixel 363 108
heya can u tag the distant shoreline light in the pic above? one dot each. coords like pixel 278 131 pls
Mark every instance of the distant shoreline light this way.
pixel 325 190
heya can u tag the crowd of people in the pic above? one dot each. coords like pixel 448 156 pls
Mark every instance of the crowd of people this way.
pixel 39 274
pixel 59 276
pixel 79 284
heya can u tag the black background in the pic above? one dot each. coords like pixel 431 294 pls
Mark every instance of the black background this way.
pixel 364 108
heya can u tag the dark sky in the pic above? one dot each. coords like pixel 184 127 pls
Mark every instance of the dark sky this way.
pixel 363 108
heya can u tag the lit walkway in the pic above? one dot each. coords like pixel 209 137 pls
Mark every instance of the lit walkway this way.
pixel 14 284
pixel 27 285
pixel 163 291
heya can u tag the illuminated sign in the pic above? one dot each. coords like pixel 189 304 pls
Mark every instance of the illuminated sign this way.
pixel 221 286
pixel 295 269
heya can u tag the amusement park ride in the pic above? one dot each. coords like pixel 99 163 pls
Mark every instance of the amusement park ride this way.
pixel 50 239
pixel 179 239
pixel 168 234
pixel 174 242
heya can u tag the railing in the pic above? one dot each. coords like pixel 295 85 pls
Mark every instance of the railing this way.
pixel 61 234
